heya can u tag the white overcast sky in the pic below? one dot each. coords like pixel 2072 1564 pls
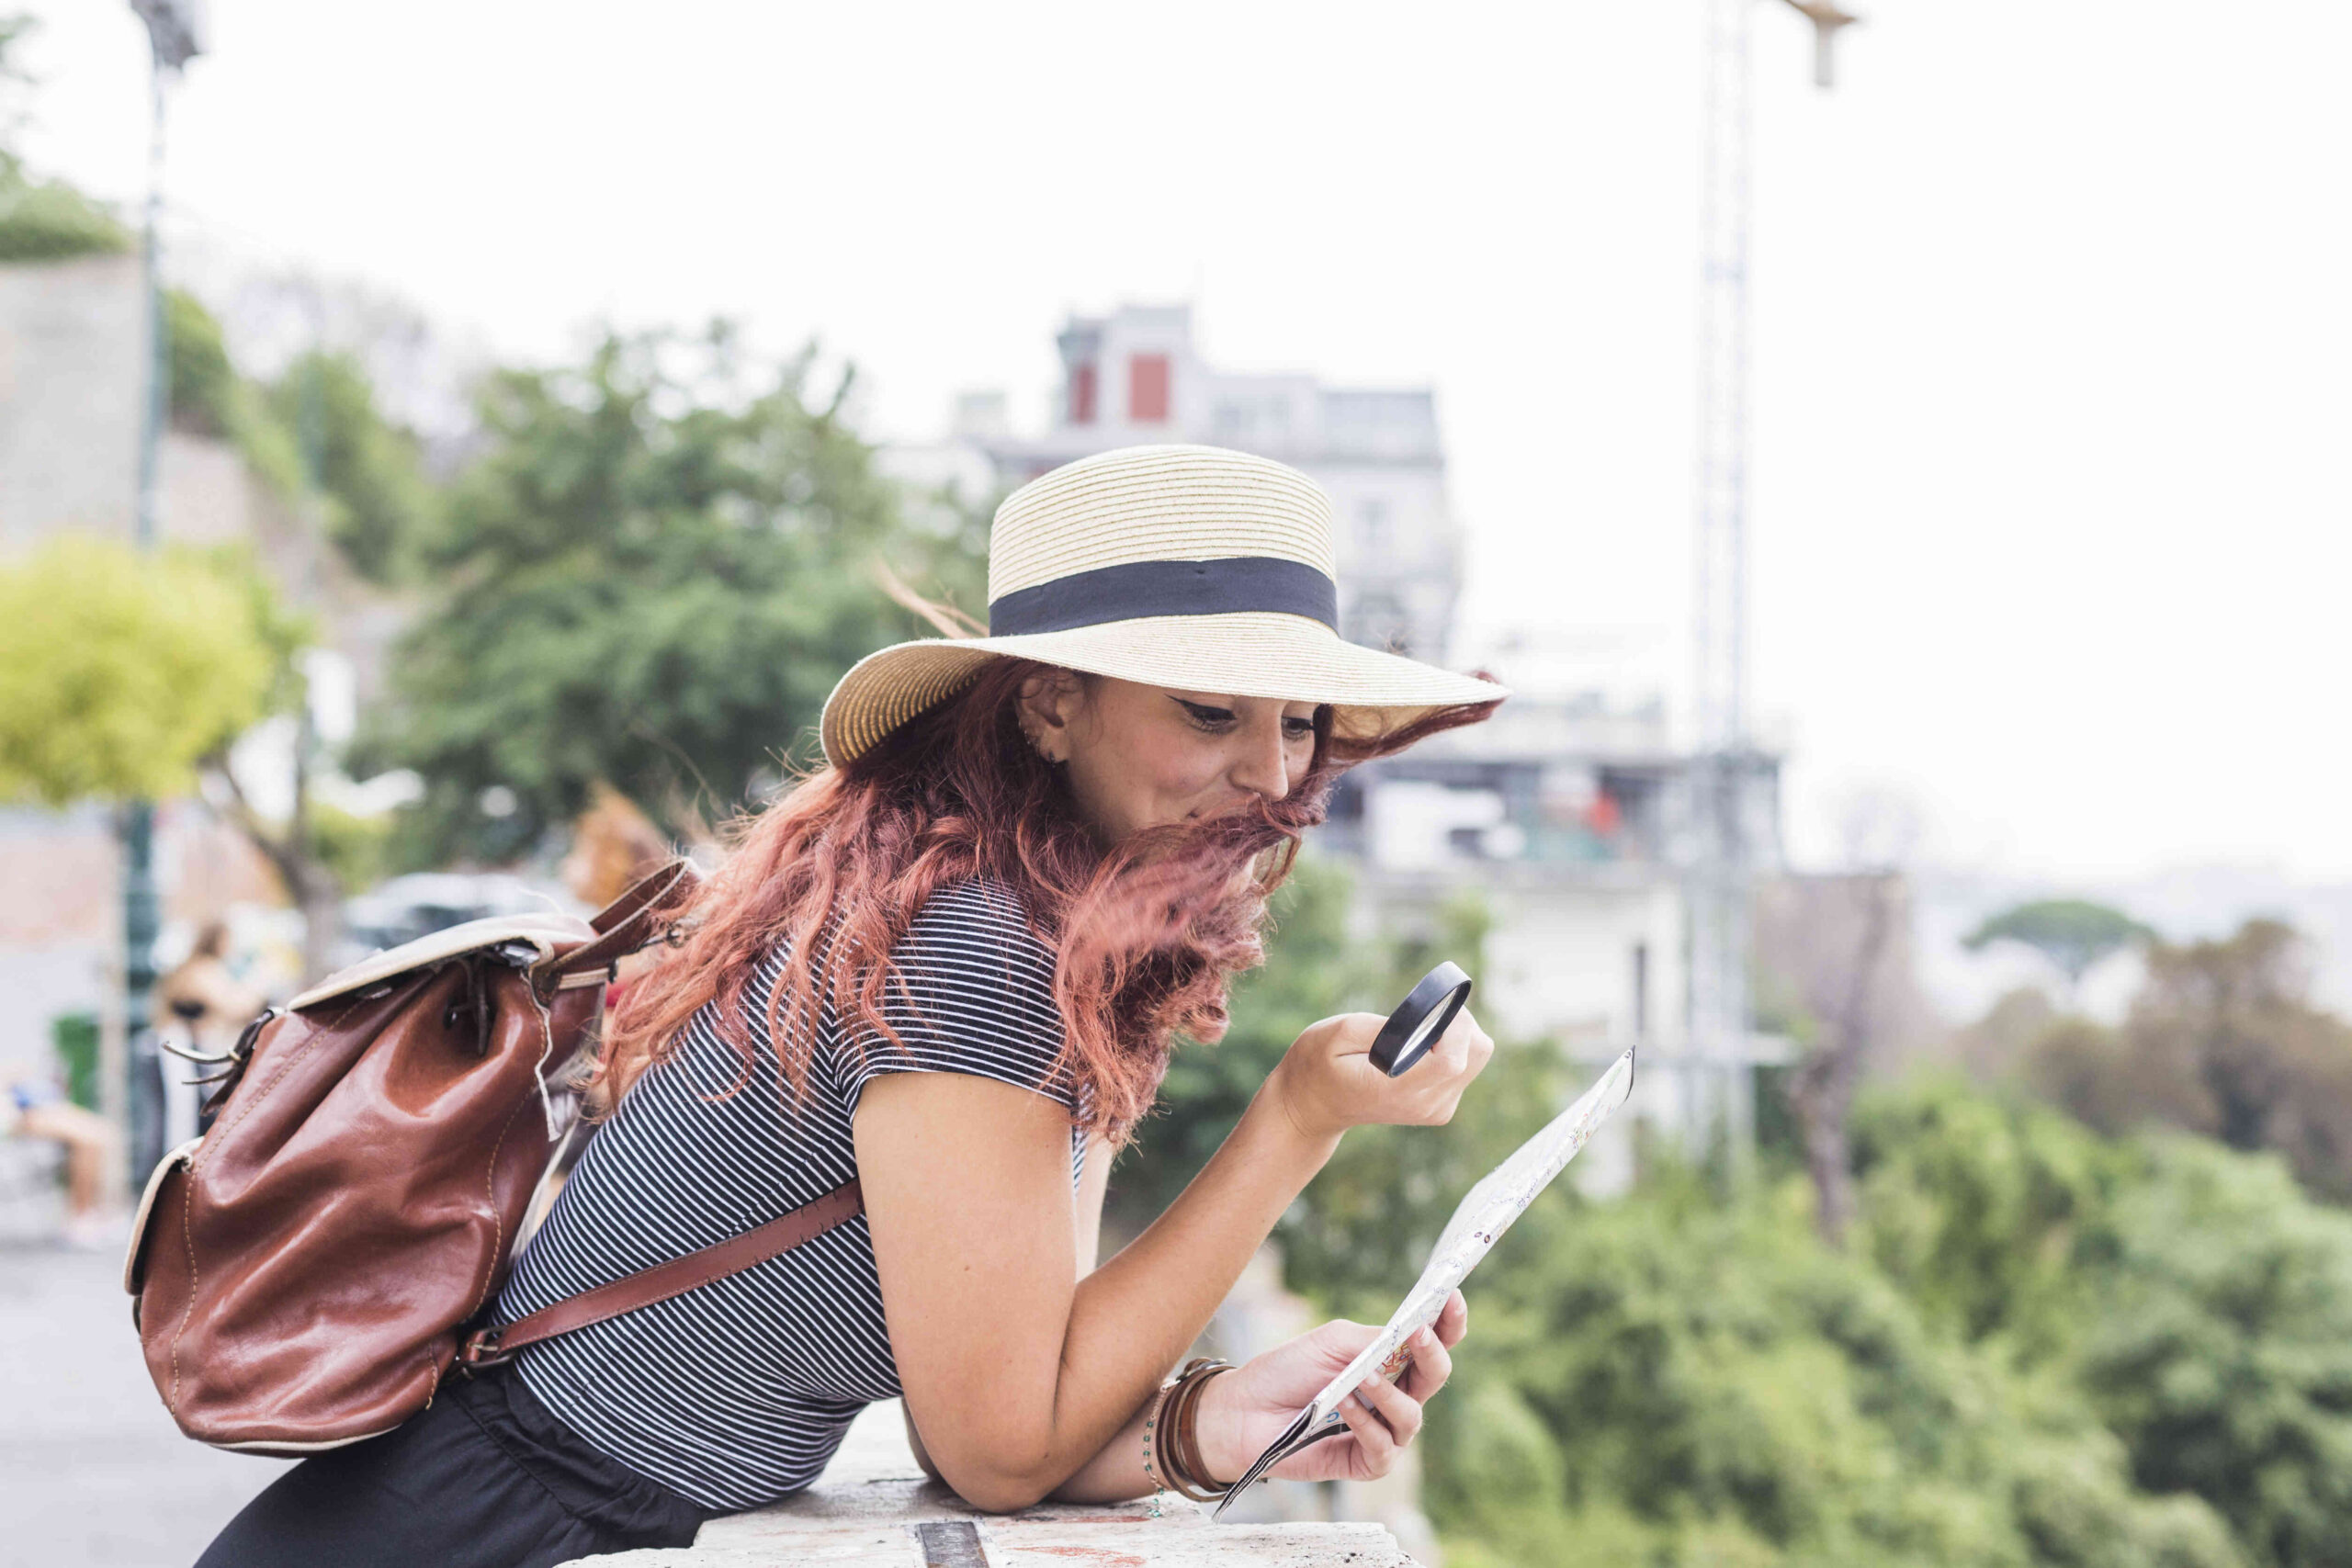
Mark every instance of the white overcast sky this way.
pixel 2052 350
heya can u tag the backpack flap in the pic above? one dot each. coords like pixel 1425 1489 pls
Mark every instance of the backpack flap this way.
pixel 545 934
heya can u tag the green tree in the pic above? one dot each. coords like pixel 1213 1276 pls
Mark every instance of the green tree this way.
pixel 377 503
pixel 1987 1210
pixel 2071 934
pixel 121 672
pixel 2192 1298
pixel 1672 1378
pixel 653 574
pixel 204 392
pixel 2221 1347
pixel 2224 1041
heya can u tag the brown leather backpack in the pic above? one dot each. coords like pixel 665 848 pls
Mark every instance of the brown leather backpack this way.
pixel 305 1273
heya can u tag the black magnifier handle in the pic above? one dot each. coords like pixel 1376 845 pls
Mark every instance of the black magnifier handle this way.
pixel 1420 1019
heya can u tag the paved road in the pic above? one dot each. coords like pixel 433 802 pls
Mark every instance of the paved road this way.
pixel 92 1473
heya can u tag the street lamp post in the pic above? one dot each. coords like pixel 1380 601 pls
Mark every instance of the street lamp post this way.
pixel 174 29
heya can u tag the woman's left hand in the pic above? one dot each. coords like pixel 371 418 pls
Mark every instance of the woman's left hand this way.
pixel 1244 1410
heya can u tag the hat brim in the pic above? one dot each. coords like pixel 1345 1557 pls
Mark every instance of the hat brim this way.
pixel 1246 654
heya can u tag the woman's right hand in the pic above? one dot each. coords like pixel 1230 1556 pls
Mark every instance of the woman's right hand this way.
pixel 1325 1082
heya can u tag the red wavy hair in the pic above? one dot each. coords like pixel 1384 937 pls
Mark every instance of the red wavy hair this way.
pixel 1147 933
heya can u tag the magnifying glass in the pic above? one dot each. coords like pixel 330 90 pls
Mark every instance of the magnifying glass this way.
pixel 1420 1019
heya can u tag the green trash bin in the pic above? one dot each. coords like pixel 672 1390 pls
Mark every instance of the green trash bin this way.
pixel 75 1036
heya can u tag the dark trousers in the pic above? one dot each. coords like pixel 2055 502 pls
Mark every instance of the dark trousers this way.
pixel 486 1478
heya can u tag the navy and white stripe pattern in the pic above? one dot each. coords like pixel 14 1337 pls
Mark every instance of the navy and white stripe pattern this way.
pixel 736 1392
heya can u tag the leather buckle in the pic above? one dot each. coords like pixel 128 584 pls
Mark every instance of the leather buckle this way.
pixel 479 1350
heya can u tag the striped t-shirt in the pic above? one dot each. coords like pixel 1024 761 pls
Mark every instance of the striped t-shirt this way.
pixel 737 1392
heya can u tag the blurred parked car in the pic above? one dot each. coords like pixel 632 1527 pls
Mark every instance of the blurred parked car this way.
pixel 410 907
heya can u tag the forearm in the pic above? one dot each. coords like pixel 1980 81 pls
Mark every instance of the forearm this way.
pixel 1115 1473
pixel 1132 1318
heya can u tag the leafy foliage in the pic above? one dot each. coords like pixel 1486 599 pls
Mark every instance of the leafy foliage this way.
pixel 653 574
pixel 2223 1041
pixel 2221 1347
pixel 204 389
pixel 2048 1347
pixel 1987 1212
pixel 118 671
pixel 1669 1380
pixel 2042 1346
pixel 49 220
pixel 369 472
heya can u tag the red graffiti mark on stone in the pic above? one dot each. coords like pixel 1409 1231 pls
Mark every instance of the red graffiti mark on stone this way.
pixel 1102 1554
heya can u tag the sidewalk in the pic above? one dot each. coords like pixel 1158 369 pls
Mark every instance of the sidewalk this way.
pixel 92 1473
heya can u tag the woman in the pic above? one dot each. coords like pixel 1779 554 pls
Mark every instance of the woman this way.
pixel 949 967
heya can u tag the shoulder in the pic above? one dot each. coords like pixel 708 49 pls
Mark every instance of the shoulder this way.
pixel 979 922
pixel 971 989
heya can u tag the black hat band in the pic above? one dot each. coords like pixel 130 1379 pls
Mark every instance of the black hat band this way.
pixel 1135 589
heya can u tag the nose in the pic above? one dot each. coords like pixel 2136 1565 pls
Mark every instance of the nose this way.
pixel 1263 767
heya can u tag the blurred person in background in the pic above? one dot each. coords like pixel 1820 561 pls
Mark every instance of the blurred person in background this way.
pixel 939 980
pixel 202 1006
pixel 36 1108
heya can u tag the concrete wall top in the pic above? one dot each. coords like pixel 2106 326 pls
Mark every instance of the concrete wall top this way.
pixel 865 1510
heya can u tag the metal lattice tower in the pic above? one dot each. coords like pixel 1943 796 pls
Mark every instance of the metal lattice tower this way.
pixel 1720 1090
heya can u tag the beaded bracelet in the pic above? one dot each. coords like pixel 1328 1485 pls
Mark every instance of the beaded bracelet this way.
pixel 1150 1423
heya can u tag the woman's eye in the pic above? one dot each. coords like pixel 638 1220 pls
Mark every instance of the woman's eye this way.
pixel 1208 717
pixel 1299 728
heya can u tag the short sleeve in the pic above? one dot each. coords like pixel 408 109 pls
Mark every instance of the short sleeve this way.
pixel 974 993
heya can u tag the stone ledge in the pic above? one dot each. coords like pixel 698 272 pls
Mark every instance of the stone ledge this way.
pixel 862 1512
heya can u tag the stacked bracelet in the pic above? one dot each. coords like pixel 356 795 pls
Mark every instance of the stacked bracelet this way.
pixel 1172 1430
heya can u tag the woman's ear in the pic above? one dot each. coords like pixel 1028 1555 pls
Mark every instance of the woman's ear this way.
pixel 1049 702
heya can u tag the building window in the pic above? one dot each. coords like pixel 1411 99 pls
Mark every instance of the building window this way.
pixel 1082 393
pixel 1147 388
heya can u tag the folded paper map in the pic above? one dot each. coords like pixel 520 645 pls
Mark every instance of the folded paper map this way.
pixel 1485 1213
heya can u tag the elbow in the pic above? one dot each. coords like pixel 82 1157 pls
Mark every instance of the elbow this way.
pixel 998 1483
pixel 1008 1495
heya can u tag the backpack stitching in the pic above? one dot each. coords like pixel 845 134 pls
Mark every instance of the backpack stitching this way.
pixel 497 1221
pixel 187 1232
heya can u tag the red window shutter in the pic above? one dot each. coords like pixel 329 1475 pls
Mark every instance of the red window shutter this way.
pixel 1147 388
pixel 1082 394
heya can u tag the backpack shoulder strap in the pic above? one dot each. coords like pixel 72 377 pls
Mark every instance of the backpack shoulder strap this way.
pixel 494 1347
pixel 629 923
pixel 632 920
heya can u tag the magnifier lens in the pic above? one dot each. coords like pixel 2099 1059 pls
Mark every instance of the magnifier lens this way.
pixel 1422 1031
pixel 1420 1019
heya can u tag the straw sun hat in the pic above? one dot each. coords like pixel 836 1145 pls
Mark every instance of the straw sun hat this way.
pixel 1189 567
